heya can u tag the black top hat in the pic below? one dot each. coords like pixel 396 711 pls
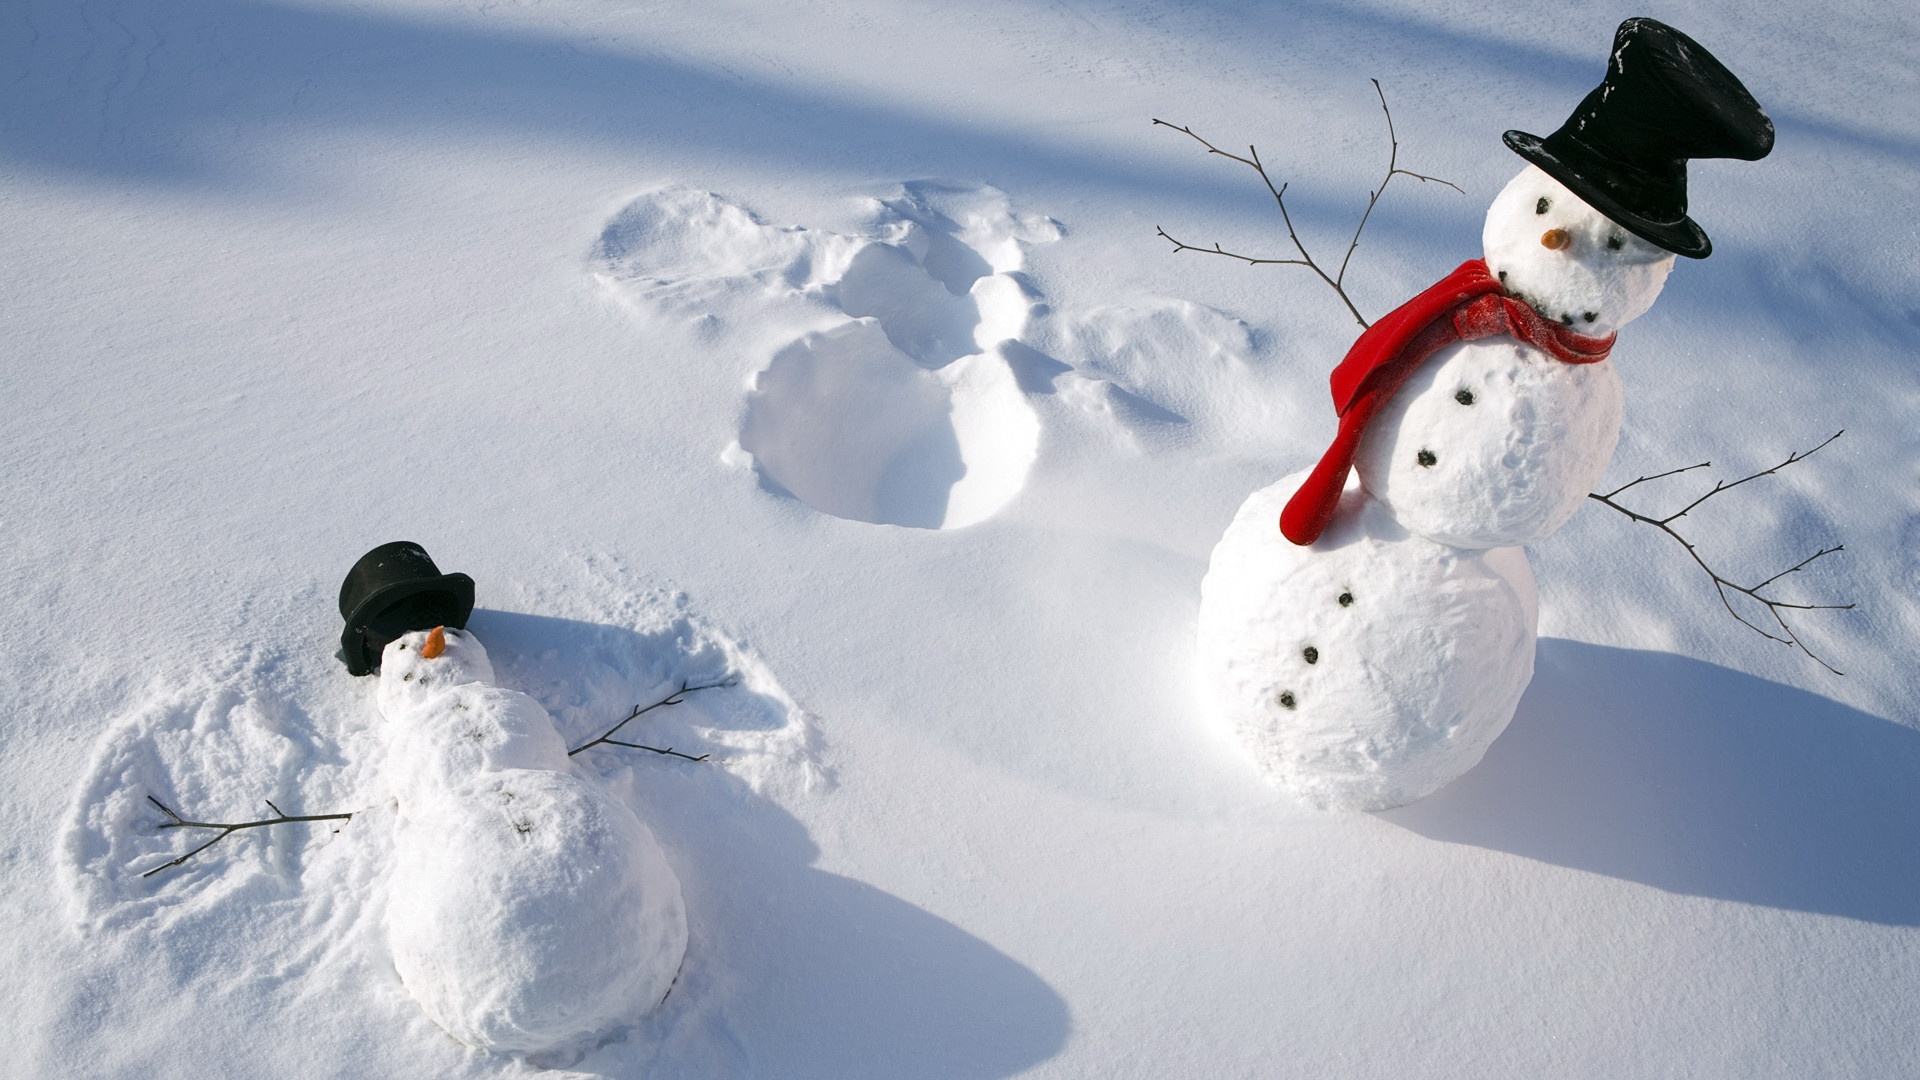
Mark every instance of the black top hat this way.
pixel 1664 101
pixel 394 589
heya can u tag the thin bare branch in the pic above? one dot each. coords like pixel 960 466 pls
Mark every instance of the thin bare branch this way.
pixel 1723 586
pixel 1373 198
pixel 674 698
pixel 226 829
pixel 1279 193
pixel 1791 458
pixel 1337 281
pixel 1659 476
pixel 1216 250
pixel 667 752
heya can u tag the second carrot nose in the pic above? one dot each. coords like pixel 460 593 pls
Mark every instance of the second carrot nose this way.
pixel 1556 239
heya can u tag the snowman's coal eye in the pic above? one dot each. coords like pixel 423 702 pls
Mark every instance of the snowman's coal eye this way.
pixel 1310 654
pixel 1616 242
pixel 1426 458
pixel 1541 206
pixel 1346 599
pixel 1464 397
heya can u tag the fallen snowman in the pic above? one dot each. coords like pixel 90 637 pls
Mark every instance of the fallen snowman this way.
pixel 1369 650
pixel 529 911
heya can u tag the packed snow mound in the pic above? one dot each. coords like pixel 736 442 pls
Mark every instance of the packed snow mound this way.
pixel 529 911
pixel 1167 372
pixel 1492 443
pixel 681 248
pixel 1370 668
pixel 852 427
pixel 905 411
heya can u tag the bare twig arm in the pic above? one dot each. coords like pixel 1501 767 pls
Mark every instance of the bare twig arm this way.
pixel 226 829
pixel 1279 193
pixel 1656 476
pixel 1373 198
pixel 1216 250
pixel 1336 281
pixel 673 698
pixel 1791 458
pixel 1722 585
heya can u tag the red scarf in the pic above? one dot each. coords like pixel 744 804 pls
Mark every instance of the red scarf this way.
pixel 1468 304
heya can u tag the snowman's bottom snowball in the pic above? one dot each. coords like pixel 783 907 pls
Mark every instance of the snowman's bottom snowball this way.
pixel 1371 668
pixel 530 911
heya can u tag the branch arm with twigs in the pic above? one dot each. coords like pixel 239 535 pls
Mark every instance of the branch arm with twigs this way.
pixel 674 698
pixel 227 828
pixel 1336 281
pixel 1722 585
pixel 1393 170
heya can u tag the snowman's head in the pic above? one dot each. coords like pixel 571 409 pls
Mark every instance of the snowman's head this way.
pixel 424 663
pixel 1570 262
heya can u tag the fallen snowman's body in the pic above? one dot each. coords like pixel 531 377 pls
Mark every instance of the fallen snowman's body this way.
pixel 529 911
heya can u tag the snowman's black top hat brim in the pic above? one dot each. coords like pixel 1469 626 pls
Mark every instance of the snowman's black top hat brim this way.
pixel 1681 235
pixel 1664 101
pixel 394 589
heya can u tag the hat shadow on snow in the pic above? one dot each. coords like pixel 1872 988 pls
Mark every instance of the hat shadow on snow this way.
pixel 823 974
pixel 1699 780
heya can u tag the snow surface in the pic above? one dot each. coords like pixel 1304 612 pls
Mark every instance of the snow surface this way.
pixel 288 280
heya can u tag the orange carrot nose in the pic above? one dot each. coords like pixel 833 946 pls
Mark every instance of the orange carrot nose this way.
pixel 436 643
pixel 1555 239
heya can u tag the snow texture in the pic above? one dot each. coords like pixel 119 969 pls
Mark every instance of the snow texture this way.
pixel 1368 669
pixel 904 414
pixel 530 912
pixel 286 279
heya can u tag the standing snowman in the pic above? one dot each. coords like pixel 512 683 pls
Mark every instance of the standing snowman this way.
pixel 529 911
pixel 1369 650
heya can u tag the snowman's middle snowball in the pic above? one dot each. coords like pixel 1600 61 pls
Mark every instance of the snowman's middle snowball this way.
pixel 1492 443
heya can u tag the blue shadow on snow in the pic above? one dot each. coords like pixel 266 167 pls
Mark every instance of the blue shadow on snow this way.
pixel 792 971
pixel 1699 780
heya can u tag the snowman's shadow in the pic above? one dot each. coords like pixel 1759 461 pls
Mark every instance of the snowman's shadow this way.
pixel 1699 780
pixel 790 969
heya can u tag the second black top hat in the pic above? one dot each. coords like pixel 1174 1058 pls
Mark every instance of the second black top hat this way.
pixel 394 589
